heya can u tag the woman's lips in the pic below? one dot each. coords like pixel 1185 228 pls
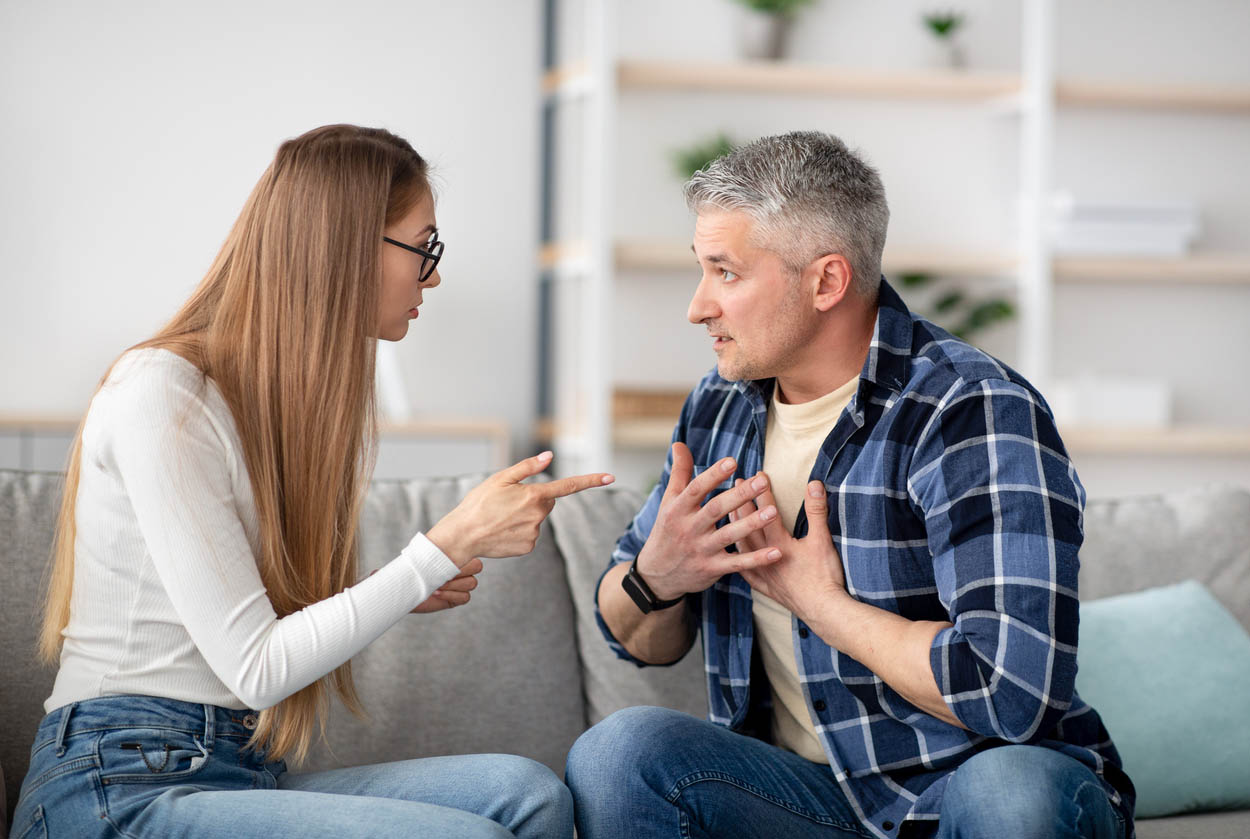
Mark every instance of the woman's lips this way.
pixel 412 313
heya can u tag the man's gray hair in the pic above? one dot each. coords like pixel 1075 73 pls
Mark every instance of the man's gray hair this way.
pixel 809 196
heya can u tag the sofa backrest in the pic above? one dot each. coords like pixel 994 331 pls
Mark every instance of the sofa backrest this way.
pixel 1132 544
pixel 29 502
pixel 499 675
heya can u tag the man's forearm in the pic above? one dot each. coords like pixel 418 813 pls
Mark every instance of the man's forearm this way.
pixel 660 637
pixel 890 645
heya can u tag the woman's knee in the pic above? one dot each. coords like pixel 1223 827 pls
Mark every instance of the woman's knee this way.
pixel 541 800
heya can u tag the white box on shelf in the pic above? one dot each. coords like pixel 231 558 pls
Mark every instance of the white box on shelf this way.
pixel 1119 401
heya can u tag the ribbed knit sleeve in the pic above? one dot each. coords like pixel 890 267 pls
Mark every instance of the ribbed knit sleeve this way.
pixel 174 451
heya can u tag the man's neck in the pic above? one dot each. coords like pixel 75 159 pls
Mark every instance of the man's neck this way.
pixel 833 358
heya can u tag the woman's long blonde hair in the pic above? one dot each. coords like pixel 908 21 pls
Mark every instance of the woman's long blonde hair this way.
pixel 284 323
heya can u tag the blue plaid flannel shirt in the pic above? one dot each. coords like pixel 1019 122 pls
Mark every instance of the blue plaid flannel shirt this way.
pixel 952 498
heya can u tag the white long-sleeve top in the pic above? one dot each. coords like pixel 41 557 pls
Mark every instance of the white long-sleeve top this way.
pixel 167 597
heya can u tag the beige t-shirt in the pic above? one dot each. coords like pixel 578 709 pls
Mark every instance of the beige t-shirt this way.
pixel 795 434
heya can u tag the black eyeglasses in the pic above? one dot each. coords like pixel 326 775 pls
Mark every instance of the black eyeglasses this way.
pixel 431 252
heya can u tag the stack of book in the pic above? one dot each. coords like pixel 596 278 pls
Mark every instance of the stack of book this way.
pixel 1122 228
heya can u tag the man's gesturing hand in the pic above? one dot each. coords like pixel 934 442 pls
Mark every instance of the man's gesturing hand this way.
pixel 686 552
pixel 811 571
pixel 501 516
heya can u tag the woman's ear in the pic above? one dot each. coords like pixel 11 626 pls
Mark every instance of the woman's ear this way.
pixel 833 280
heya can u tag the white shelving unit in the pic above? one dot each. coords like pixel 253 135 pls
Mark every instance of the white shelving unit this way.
pixel 582 425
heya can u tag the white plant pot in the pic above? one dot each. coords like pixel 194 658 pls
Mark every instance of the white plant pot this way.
pixel 761 35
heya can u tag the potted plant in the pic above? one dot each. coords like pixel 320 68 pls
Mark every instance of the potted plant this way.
pixel 945 27
pixel 953 309
pixel 688 160
pixel 765 25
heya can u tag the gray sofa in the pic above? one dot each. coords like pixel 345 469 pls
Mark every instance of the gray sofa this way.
pixel 523 669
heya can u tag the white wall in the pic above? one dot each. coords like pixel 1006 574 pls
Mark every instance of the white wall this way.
pixel 133 132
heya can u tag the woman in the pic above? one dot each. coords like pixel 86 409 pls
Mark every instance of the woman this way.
pixel 206 557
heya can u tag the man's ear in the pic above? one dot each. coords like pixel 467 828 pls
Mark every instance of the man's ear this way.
pixel 833 280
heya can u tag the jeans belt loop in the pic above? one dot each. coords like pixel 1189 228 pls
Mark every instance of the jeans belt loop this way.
pixel 210 726
pixel 66 713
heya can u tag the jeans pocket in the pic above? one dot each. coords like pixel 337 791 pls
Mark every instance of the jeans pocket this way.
pixel 149 756
pixel 35 830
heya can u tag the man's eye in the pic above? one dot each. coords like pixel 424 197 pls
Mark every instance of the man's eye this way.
pixel 728 276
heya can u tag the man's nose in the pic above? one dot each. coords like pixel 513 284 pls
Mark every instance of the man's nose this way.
pixel 432 281
pixel 702 305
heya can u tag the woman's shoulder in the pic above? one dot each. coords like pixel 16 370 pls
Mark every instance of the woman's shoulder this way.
pixel 152 386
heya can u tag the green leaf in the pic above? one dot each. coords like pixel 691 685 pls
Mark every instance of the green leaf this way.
pixel 689 160
pixel 948 301
pixel 944 24
pixel 914 279
pixel 776 7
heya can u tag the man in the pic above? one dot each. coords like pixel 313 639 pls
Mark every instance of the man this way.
pixel 906 645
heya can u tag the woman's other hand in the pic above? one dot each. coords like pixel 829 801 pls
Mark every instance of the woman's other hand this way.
pixel 501 516
pixel 454 592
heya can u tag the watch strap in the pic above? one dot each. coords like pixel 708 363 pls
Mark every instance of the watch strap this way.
pixel 642 595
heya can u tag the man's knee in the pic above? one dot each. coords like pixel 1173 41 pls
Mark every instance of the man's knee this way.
pixel 624 745
pixel 1018 791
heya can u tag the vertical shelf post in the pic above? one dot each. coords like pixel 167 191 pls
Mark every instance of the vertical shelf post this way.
pixel 595 364
pixel 1036 154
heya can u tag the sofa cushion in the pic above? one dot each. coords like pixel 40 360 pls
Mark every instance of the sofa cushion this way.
pixel 1133 544
pixel 497 675
pixel 1197 826
pixel 1169 671
pixel 586 527
pixel 29 502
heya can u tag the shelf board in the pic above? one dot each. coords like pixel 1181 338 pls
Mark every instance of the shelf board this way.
pixel 1184 440
pixel 659 255
pixel 1217 98
pixel 634 429
pixel 440 427
pixel 1230 269
pixel 1177 440
pixel 785 77
pixel 968 85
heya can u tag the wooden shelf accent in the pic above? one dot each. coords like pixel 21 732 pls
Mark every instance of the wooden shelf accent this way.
pixel 1217 98
pixel 791 78
pixel 660 255
pixel 558 78
pixel 451 427
pixel 632 428
pixel 1178 440
pixel 815 79
pixel 1231 269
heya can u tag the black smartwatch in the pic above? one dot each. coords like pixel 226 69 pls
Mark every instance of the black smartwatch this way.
pixel 637 588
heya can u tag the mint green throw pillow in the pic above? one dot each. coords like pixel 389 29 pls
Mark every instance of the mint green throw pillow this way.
pixel 1168 670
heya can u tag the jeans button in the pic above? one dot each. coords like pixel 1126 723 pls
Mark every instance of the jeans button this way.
pixel 250 721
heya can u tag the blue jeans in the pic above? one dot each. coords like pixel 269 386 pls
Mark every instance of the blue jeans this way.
pixel 137 766
pixel 651 772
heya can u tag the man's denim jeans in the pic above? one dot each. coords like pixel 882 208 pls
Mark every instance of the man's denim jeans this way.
pixel 652 772
pixel 139 766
